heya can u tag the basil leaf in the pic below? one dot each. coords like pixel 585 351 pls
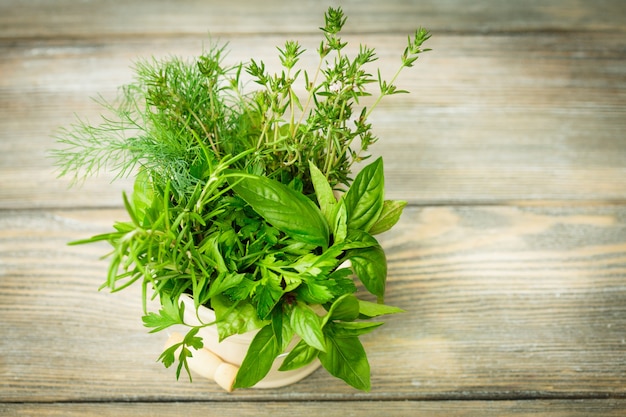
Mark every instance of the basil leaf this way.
pixel 307 325
pixel 345 308
pixel 340 221
pixel 288 210
pixel 277 328
pixel 282 330
pixel 286 331
pixel 263 350
pixel 358 239
pixel 353 328
pixel 370 265
pixel 323 191
pixel 369 309
pixel 345 358
pixel 302 354
pixel 365 197
pixel 389 216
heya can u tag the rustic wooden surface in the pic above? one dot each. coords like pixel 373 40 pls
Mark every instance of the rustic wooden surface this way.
pixel 510 259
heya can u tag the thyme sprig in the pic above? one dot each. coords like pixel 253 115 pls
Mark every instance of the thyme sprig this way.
pixel 178 115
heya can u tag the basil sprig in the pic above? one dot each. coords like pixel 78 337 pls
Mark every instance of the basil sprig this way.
pixel 334 336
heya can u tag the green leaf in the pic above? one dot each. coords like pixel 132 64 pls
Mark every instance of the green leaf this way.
pixel 369 309
pixel 289 211
pixel 345 308
pixel 342 282
pixel 224 282
pixel 314 292
pixel 389 216
pixel 192 340
pixel 170 314
pixel 346 359
pixel 340 221
pixel 259 359
pixel 323 191
pixel 143 194
pixel 354 328
pixel 318 266
pixel 313 264
pixel 234 318
pixel 268 292
pixel 277 328
pixel 283 328
pixel 365 198
pixel 131 211
pixel 308 326
pixel 301 355
pixel 370 265
pixel 211 248
pixel 242 290
pixel 358 239
pixel 168 357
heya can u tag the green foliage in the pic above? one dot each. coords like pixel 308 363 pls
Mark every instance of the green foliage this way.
pixel 169 315
pixel 277 203
pixel 168 357
pixel 365 198
pixel 261 354
pixel 234 200
pixel 345 358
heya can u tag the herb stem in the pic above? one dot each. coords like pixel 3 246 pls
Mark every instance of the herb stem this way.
pixel 383 93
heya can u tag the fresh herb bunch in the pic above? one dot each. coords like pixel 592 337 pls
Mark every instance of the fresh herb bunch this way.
pixel 234 200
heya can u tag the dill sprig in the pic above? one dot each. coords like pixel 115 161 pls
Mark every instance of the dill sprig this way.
pixel 180 116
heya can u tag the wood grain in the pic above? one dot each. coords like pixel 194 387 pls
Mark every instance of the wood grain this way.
pixel 541 106
pixel 582 408
pixel 29 19
pixel 501 302
pixel 539 114
pixel 510 261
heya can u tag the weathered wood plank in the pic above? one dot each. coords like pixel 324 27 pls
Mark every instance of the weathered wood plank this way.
pixel 544 115
pixel 520 309
pixel 501 303
pixel 66 18
pixel 582 408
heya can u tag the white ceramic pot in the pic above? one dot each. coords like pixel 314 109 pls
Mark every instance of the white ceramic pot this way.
pixel 233 349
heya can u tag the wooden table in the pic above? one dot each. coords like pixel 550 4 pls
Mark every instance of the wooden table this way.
pixel 510 259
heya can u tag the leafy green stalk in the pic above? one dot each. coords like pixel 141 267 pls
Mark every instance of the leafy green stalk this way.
pixel 233 201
